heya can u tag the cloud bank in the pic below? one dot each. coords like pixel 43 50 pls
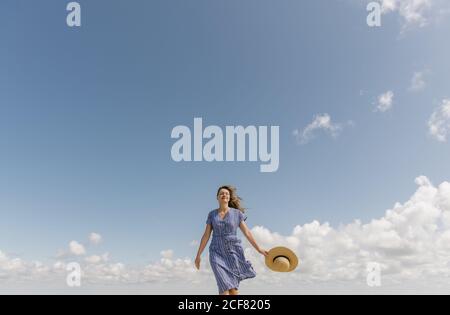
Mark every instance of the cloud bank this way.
pixel 411 242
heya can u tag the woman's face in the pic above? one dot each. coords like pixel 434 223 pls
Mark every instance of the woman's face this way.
pixel 224 196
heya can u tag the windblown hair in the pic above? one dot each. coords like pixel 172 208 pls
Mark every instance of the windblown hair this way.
pixel 235 200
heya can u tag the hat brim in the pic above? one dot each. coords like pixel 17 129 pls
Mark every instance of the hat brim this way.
pixel 283 252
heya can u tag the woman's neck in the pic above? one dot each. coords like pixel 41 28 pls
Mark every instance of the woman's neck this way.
pixel 224 208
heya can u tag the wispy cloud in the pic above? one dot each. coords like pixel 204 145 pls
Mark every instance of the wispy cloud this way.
pixel 320 122
pixel 385 102
pixel 439 122
pixel 413 12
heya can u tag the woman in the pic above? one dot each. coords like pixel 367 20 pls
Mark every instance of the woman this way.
pixel 226 255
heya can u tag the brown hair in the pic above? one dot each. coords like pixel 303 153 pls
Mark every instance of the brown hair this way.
pixel 235 200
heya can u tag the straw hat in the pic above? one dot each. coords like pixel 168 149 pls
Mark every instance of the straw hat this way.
pixel 281 259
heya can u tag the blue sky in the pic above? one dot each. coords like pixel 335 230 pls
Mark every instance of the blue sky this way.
pixel 86 116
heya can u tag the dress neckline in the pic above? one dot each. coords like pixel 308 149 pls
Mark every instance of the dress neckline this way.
pixel 226 214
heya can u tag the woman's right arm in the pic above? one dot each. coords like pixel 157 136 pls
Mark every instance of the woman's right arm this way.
pixel 203 243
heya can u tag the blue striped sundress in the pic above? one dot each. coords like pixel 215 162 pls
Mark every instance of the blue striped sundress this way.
pixel 226 255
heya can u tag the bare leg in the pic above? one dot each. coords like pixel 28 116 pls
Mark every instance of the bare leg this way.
pixel 234 292
pixel 225 293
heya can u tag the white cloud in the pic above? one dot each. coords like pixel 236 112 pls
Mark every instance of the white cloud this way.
pixel 320 122
pixel 170 269
pixel 79 249
pixel 8 264
pixel 412 12
pixel 96 259
pixel 76 249
pixel 95 238
pixel 410 242
pixel 13 269
pixel 107 273
pixel 439 122
pixel 385 101
pixel 168 254
pixel 418 81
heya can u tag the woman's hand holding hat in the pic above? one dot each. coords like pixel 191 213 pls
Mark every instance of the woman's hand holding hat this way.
pixel 263 252
pixel 281 259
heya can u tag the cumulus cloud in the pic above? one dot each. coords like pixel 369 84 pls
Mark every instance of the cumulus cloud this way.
pixel 95 238
pixel 168 254
pixel 8 264
pixel 96 259
pixel 415 13
pixel 176 269
pixel 411 242
pixel 385 102
pixel 439 122
pixel 13 269
pixel 79 249
pixel 76 248
pixel 320 122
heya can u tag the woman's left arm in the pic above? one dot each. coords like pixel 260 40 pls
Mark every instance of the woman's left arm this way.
pixel 248 234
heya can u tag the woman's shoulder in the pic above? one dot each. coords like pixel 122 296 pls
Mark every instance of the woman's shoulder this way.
pixel 235 211
pixel 240 214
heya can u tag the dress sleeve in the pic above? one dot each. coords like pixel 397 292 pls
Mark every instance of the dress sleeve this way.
pixel 209 219
pixel 242 216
